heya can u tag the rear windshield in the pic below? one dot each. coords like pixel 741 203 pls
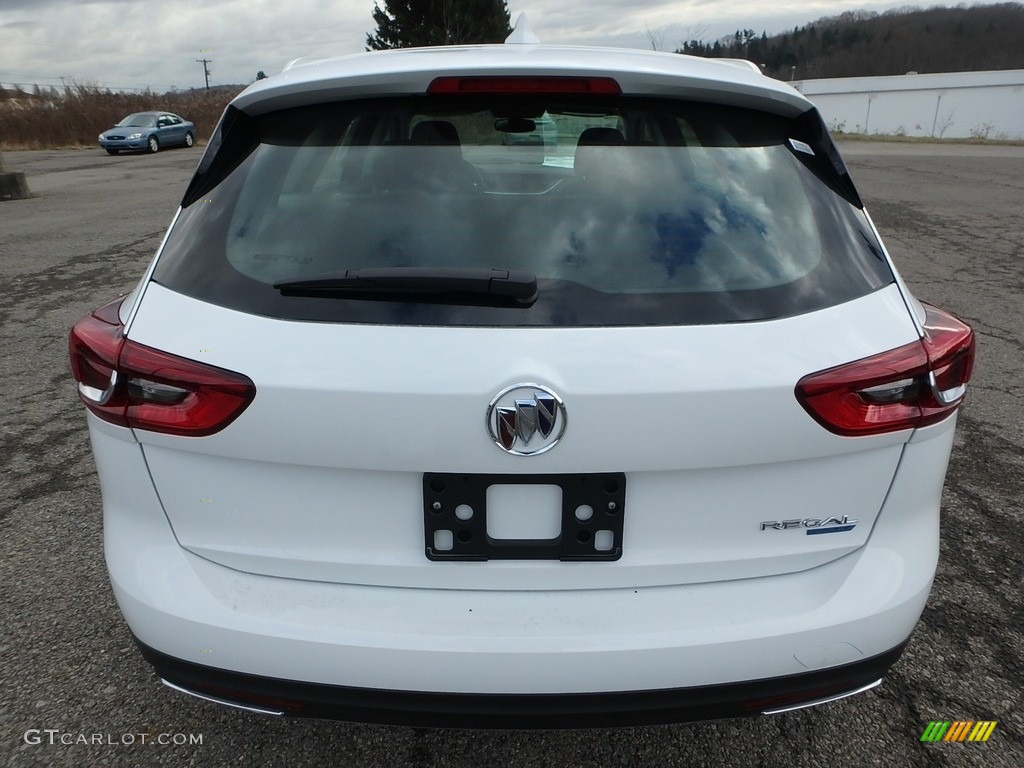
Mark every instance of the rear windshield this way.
pixel 627 211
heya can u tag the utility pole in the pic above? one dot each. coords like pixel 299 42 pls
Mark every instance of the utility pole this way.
pixel 206 70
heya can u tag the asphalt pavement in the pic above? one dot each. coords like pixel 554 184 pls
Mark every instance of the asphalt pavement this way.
pixel 74 691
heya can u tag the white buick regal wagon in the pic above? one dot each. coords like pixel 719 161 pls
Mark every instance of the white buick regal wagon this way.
pixel 520 386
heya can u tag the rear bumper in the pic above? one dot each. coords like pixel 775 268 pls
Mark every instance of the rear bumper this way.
pixel 520 659
pixel 519 711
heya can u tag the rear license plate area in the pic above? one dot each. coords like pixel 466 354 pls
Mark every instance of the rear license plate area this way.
pixel 523 517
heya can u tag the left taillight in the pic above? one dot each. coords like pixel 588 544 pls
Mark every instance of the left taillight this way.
pixel 912 386
pixel 135 386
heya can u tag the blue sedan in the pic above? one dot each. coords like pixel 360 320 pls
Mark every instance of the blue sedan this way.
pixel 149 132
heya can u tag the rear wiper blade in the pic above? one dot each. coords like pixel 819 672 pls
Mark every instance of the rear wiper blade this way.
pixel 454 285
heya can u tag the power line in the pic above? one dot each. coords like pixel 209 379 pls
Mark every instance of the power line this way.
pixel 31 79
pixel 26 74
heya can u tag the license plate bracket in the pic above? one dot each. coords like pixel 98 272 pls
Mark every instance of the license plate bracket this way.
pixel 592 509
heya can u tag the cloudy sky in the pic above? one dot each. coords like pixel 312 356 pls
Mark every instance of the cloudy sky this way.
pixel 133 44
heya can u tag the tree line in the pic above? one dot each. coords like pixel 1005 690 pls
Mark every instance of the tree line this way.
pixel 855 43
pixel 862 43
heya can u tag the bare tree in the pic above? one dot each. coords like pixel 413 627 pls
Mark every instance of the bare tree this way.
pixel 694 33
pixel 656 39
pixel 946 123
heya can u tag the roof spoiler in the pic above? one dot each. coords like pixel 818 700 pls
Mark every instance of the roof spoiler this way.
pixel 741 64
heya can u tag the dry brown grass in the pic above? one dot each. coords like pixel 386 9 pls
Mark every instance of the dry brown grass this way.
pixel 55 120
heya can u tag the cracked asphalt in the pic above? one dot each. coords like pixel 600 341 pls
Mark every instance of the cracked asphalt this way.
pixel 951 217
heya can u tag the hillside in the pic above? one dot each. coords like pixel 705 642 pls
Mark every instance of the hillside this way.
pixel 860 43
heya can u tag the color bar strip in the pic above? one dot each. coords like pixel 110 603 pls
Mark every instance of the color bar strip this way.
pixel 935 731
pixel 958 730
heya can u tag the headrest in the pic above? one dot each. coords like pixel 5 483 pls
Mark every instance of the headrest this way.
pixel 435 133
pixel 592 154
pixel 601 137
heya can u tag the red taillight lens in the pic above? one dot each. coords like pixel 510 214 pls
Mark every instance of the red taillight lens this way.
pixel 524 84
pixel 95 345
pixel 912 386
pixel 135 386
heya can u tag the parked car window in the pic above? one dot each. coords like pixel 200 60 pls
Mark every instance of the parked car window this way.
pixel 138 121
pixel 629 211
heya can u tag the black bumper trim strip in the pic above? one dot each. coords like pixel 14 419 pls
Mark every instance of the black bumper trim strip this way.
pixel 519 711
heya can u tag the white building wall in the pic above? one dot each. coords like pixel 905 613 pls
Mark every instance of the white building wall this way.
pixel 948 105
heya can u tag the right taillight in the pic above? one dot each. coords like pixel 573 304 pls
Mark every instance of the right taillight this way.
pixel 905 388
pixel 143 388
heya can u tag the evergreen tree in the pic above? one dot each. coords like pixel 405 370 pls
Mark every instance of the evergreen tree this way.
pixel 415 23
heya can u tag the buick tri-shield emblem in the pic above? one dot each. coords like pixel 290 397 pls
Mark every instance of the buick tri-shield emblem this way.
pixel 526 419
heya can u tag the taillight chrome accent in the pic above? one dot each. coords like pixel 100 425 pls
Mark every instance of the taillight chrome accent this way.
pixel 130 385
pixel 98 396
pixel 909 387
pixel 950 396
